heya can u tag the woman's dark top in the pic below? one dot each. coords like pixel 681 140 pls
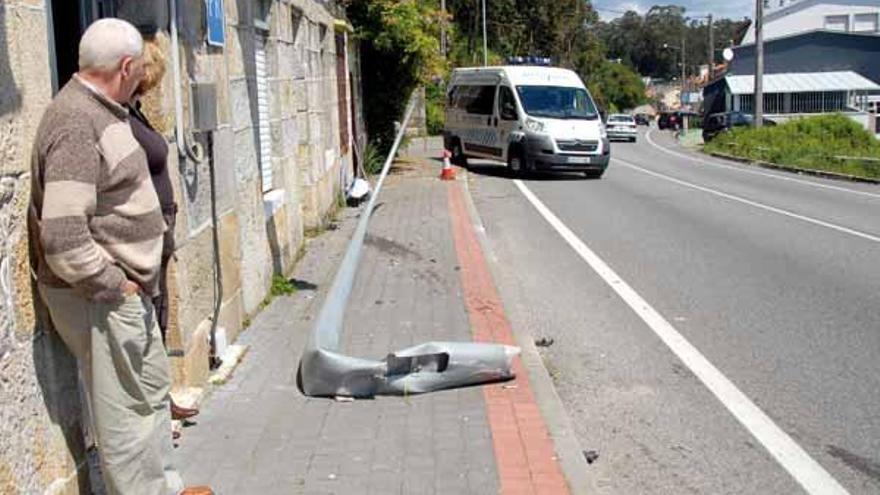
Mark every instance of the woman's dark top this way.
pixel 157 158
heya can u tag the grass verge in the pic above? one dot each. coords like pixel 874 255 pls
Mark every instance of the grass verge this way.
pixel 831 143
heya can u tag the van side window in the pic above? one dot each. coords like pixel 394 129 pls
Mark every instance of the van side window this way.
pixel 462 96
pixel 482 100
pixel 466 95
pixel 506 104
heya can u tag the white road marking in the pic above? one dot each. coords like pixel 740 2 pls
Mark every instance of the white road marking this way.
pixel 803 468
pixel 814 221
pixel 757 172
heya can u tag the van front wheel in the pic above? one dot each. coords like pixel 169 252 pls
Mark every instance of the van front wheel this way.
pixel 458 156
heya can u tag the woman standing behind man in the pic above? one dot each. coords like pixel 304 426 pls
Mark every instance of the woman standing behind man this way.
pixel 156 148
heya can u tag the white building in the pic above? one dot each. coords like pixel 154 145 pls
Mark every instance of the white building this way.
pixel 790 17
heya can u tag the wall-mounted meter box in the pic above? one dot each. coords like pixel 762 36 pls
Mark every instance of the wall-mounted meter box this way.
pixel 204 106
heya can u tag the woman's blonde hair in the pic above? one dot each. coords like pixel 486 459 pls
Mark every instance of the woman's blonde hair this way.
pixel 154 66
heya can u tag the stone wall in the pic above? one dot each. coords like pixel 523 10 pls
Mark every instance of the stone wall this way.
pixel 312 78
pixel 40 428
pixel 260 233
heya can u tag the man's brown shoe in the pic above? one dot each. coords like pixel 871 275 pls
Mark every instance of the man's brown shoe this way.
pixel 197 490
pixel 179 412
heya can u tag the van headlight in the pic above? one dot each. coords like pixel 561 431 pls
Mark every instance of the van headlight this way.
pixel 534 125
pixel 603 133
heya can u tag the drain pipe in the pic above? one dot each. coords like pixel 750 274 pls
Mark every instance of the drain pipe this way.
pixel 196 154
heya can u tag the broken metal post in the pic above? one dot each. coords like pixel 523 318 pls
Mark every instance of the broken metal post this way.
pixel 325 372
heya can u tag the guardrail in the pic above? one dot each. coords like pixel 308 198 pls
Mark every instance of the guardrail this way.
pixel 325 372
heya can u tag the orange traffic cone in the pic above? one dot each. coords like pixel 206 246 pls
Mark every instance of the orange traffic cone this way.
pixel 448 172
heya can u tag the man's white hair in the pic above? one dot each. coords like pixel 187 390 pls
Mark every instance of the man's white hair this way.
pixel 106 42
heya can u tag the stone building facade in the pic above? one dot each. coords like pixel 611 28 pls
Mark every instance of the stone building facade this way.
pixel 274 117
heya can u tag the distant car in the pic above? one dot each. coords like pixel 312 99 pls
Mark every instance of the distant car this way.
pixel 717 123
pixel 668 120
pixel 642 119
pixel 621 126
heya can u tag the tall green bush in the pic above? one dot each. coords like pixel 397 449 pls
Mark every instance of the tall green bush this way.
pixel 435 107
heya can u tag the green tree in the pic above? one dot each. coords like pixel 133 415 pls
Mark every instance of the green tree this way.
pixel 639 40
pixel 616 87
pixel 400 50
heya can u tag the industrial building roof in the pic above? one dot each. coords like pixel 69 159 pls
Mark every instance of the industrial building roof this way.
pixel 803 82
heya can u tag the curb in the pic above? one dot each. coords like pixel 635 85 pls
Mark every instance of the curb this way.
pixel 568 449
pixel 805 171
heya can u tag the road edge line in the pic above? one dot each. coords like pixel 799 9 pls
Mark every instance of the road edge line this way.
pixel 556 418
pixel 793 458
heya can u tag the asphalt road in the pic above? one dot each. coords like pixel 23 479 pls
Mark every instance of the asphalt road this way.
pixel 773 278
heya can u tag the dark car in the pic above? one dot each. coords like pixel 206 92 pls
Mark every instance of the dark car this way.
pixel 717 123
pixel 642 119
pixel 667 120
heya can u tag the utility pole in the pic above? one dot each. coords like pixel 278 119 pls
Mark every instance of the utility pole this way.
pixel 443 28
pixel 683 66
pixel 485 44
pixel 711 49
pixel 759 63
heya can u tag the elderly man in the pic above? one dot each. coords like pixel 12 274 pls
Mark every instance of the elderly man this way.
pixel 98 226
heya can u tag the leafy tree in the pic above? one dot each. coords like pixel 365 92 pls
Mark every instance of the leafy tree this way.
pixel 400 49
pixel 616 87
pixel 559 29
pixel 639 40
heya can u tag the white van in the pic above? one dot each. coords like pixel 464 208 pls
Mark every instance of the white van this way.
pixel 532 118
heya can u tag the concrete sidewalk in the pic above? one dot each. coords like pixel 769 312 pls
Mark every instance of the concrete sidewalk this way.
pixel 258 434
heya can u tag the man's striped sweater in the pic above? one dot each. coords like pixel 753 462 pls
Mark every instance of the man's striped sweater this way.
pixel 94 211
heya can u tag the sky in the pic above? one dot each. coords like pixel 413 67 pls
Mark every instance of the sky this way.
pixel 733 9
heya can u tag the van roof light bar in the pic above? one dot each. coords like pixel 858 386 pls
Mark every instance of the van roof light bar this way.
pixel 530 60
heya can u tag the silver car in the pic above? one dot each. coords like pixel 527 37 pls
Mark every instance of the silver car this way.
pixel 621 126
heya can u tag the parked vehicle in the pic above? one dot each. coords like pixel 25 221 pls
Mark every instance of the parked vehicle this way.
pixel 532 118
pixel 717 123
pixel 621 126
pixel 668 120
pixel 642 119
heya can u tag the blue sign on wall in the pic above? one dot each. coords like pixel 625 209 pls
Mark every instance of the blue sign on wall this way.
pixel 216 21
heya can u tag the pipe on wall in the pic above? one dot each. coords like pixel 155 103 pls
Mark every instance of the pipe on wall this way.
pixel 196 154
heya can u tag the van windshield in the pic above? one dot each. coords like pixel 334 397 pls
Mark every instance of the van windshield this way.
pixel 556 102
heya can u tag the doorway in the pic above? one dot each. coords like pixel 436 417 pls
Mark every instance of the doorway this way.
pixel 69 19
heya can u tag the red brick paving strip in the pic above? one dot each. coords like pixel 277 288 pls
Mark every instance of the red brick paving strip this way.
pixel 524 451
